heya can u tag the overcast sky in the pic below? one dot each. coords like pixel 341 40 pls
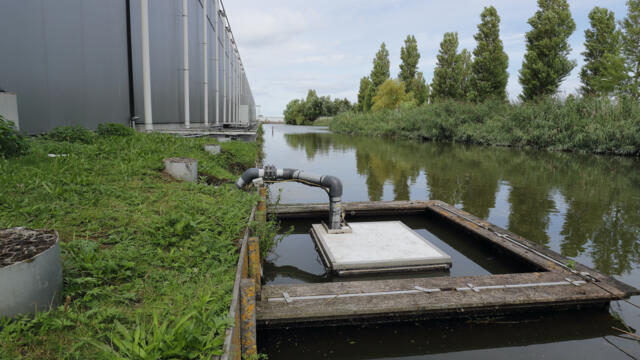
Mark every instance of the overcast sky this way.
pixel 290 46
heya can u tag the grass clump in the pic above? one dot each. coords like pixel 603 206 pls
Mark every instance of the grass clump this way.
pixel 114 130
pixel 148 262
pixel 596 125
pixel 12 143
pixel 72 134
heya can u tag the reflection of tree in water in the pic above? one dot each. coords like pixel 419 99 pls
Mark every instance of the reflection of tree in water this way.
pixel 602 194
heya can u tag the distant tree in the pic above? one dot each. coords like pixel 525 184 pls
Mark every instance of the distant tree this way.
pixel 420 89
pixel 631 47
pixel 446 77
pixel 341 105
pixel 546 63
pixel 390 95
pixel 294 112
pixel 312 106
pixel 604 68
pixel 380 72
pixel 465 74
pixel 490 62
pixel 408 67
pixel 365 84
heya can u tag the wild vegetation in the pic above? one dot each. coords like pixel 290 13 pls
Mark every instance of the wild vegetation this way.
pixel 12 143
pixel 598 125
pixel 148 262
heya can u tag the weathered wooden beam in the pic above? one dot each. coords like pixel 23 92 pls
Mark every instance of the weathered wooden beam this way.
pixel 369 208
pixel 255 271
pixel 231 347
pixel 248 318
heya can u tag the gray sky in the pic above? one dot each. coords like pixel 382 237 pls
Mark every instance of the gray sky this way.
pixel 290 46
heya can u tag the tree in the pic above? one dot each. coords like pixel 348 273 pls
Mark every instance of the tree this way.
pixel 390 95
pixel 546 63
pixel 465 74
pixel 446 78
pixel 490 62
pixel 410 56
pixel 604 69
pixel 631 47
pixel 420 89
pixel 365 84
pixel 380 71
pixel 294 112
pixel 312 106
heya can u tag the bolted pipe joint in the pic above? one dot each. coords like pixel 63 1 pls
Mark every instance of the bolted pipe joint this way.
pixel 332 184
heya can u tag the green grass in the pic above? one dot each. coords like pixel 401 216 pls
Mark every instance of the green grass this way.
pixel 583 124
pixel 148 262
pixel 323 121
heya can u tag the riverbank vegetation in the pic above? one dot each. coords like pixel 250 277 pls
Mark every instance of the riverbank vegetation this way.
pixel 598 125
pixel 467 99
pixel 148 262
pixel 306 111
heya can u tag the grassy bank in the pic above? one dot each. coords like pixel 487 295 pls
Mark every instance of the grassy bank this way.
pixel 590 125
pixel 149 262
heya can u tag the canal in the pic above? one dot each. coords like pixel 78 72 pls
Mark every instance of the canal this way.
pixel 586 207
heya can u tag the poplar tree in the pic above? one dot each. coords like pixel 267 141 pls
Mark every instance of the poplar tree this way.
pixel 365 84
pixel 490 62
pixel 631 47
pixel 446 77
pixel 546 63
pixel 408 67
pixel 420 89
pixel 465 74
pixel 380 72
pixel 604 68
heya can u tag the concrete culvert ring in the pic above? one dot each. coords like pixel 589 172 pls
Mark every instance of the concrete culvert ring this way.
pixel 30 271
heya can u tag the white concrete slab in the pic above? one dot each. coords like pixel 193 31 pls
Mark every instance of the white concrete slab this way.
pixel 377 245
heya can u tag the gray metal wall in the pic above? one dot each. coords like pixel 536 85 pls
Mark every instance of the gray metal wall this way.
pixel 67 61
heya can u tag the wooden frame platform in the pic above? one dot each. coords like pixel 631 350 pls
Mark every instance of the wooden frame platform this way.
pixel 558 283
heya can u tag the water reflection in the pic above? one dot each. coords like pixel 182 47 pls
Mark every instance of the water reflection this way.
pixel 596 200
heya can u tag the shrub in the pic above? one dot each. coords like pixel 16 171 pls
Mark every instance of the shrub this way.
pixel 12 143
pixel 73 134
pixel 114 130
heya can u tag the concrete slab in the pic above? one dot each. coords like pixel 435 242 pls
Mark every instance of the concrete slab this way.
pixel 378 246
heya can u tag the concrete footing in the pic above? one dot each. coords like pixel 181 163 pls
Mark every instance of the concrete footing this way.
pixel 212 149
pixel 185 169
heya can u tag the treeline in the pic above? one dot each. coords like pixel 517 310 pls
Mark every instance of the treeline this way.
pixel 306 111
pixel 612 61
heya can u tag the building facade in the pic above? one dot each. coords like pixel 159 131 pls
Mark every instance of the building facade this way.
pixel 83 62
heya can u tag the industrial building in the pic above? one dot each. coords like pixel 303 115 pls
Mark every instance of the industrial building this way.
pixel 135 62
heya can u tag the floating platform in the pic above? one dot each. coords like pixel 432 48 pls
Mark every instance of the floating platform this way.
pixel 554 283
pixel 379 246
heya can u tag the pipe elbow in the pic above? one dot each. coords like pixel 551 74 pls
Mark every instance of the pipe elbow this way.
pixel 334 184
pixel 247 177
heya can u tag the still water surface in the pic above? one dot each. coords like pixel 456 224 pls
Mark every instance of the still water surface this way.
pixel 586 207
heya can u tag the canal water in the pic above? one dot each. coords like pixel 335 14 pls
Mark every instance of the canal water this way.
pixel 586 207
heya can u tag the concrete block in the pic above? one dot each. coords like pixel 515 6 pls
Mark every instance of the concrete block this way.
pixel 212 149
pixel 182 168
pixel 9 107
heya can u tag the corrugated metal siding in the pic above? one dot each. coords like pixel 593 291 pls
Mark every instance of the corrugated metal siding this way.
pixel 67 61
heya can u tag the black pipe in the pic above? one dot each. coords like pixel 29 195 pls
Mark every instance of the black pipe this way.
pixel 132 104
pixel 331 183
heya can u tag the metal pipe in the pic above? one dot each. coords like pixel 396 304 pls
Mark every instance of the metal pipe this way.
pixel 216 28
pixel 205 56
pixel 146 72
pixel 224 77
pixel 331 183
pixel 185 59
